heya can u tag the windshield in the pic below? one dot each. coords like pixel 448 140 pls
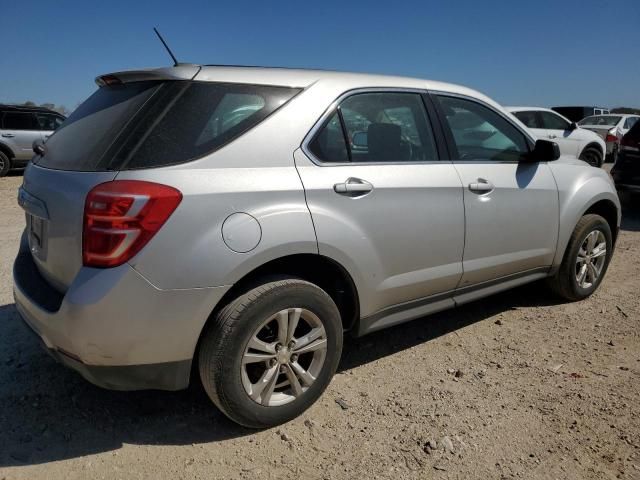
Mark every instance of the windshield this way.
pixel 605 120
pixel 154 124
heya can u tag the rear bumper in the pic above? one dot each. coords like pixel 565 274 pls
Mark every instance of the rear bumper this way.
pixel 114 327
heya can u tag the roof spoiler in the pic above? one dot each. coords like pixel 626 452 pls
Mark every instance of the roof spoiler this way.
pixel 183 71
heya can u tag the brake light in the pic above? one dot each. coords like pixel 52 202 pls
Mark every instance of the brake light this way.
pixel 611 136
pixel 120 217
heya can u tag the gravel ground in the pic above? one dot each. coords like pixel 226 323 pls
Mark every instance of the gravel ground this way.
pixel 516 385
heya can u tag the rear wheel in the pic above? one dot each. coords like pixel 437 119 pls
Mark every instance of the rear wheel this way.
pixel 5 164
pixel 269 354
pixel 586 259
pixel 592 156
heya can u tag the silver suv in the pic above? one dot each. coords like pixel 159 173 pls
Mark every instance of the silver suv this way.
pixel 242 219
pixel 20 126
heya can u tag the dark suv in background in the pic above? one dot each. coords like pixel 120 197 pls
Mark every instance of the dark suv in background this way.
pixel 626 171
pixel 20 126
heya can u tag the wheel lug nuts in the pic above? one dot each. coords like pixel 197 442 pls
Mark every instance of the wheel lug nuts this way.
pixel 278 347
pixel 292 344
pixel 283 369
pixel 294 358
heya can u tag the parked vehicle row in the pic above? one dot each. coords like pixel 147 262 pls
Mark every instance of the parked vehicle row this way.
pixel 626 170
pixel 611 128
pixel 242 219
pixel 20 126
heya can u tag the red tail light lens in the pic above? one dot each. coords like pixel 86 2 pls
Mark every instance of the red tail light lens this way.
pixel 120 218
pixel 611 136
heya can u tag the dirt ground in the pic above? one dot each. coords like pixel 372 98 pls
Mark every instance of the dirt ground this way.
pixel 514 386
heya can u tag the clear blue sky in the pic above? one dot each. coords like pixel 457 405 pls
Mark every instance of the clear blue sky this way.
pixel 518 52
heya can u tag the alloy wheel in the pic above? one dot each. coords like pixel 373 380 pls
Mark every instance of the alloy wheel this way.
pixel 591 259
pixel 283 357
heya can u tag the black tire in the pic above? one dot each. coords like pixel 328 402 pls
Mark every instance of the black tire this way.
pixel 227 335
pixel 5 164
pixel 592 156
pixel 564 282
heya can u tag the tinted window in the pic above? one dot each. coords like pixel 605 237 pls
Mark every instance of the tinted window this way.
pixel 388 127
pixel 329 145
pixel 630 122
pixel 19 121
pixel 551 121
pixel 604 120
pixel 81 142
pixel 529 118
pixel 153 124
pixel 481 133
pixel 49 121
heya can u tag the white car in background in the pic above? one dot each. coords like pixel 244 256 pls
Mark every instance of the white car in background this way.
pixel 611 128
pixel 572 140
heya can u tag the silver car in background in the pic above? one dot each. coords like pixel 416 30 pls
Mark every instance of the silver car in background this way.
pixel 20 126
pixel 242 219
pixel 611 128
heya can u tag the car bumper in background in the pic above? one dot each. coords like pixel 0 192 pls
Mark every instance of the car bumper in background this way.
pixel 114 327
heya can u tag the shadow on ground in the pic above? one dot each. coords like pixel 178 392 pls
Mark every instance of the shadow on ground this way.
pixel 50 413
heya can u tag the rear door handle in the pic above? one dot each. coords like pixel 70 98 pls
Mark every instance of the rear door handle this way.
pixel 8 135
pixel 354 186
pixel 551 135
pixel 481 186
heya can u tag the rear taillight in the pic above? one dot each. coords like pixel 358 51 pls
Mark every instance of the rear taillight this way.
pixel 611 136
pixel 120 217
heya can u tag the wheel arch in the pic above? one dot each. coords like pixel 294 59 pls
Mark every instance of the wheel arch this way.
pixel 594 146
pixel 605 204
pixel 4 148
pixel 318 269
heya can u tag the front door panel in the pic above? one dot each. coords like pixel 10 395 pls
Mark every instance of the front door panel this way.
pixel 513 227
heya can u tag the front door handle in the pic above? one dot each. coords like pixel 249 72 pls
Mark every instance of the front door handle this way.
pixel 481 186
pixel 353 186
pixel 551 135
pixel 8 135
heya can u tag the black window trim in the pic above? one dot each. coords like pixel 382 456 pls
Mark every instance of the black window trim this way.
pixel 449 135
pixel 334 107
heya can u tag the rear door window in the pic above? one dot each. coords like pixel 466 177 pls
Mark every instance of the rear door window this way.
pixel 551 121
pixel 49 121
pixel 530 118
pixel 20 121
pixel 380 127
pixel 155 124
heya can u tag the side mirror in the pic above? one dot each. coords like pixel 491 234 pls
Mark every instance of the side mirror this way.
pixel 38 147
pixel 545 151
pixel 573 126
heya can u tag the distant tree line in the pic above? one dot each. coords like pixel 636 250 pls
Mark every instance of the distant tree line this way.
pixel 51 106
pixel 626 110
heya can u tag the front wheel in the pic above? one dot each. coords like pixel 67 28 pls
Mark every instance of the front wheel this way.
pixel 5 164
pixel 269 354
pixel 586 259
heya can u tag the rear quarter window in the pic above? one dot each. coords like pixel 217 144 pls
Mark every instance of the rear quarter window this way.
pixel 155 124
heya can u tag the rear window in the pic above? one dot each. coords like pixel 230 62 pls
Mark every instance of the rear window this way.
pixel 604 120
pixel 155 124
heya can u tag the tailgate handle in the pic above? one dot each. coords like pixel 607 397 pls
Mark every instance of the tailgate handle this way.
pixel 32 205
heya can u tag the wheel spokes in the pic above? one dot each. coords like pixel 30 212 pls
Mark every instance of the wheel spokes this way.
pixel 302 374
pixel 261 390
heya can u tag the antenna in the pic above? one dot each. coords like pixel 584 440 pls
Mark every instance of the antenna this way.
pixel 175 60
